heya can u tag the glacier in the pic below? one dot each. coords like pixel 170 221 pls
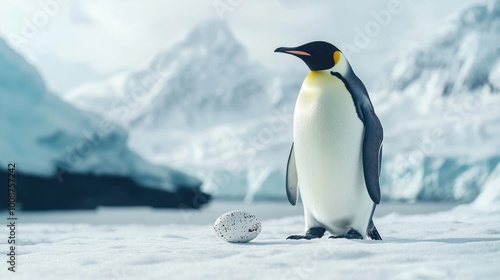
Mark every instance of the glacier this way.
pixel 204 107
pixel 49 139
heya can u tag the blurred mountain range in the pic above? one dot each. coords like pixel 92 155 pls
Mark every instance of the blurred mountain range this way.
pixel 204 107
pixel 463 59
pixel 71 158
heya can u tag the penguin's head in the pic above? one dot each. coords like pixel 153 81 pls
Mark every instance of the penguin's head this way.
pixel 317 55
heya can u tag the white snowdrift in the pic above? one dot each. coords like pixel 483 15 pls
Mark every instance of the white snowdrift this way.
pixel 489 199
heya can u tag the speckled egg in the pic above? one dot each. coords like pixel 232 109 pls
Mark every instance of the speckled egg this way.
pixel 237 227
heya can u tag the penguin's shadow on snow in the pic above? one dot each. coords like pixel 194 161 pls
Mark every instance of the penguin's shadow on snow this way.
pixel 277 242
pixel 288 242
pixel 374 242
pixel 263 243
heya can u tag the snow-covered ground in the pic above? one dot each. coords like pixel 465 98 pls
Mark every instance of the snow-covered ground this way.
pixel 462 243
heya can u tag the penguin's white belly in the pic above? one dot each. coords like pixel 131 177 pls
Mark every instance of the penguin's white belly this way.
pixel 328 137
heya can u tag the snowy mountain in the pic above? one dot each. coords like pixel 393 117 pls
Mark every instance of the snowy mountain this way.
pixel 203 106
pixel 464 59
pixel 52 142
pixel 208 72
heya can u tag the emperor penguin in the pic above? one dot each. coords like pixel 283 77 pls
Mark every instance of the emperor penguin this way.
pixel 336 152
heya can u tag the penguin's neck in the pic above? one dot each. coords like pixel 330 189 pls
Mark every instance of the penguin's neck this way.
pixel 321 77
pixel 317 78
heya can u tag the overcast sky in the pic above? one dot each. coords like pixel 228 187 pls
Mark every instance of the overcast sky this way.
pixel 85 40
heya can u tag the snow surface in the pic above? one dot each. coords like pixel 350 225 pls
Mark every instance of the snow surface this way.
pixel 41 133
pixel 462 243
pixel 204 107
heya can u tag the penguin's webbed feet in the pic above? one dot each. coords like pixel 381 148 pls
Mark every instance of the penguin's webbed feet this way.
pixel 312 233
pixel 351 234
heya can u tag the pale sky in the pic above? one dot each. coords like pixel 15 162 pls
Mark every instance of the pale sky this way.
pixel 73 42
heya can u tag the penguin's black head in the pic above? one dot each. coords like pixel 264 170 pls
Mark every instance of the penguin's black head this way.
pixel 317 55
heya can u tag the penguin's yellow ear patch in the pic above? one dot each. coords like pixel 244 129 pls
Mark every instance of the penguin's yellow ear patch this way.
pixel 336 56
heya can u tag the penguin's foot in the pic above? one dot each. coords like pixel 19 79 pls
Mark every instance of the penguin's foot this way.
pixel 315 232
pixel 352 234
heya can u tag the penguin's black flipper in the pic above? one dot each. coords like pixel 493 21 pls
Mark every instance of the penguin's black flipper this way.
pixel 372 153
pixel 372 231
pixel 292 186
pixel 374 134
